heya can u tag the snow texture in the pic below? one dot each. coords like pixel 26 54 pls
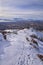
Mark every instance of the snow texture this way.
pixel 18 49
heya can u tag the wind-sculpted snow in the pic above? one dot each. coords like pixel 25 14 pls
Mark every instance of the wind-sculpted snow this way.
pixel 22 48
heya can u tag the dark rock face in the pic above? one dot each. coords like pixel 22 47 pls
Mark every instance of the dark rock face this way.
pixel 4 35
pixel 40 56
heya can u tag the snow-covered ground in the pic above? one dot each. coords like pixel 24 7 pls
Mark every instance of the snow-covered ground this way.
pixel 21 48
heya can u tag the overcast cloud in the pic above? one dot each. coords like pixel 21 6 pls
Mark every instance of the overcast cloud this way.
pixel 21 7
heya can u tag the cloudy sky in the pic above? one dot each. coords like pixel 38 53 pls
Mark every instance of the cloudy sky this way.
pixel 22 8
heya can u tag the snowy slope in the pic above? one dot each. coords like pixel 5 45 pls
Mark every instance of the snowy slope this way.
pixel 21 48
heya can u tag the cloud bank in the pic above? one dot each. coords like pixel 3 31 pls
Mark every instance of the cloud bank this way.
pixel 23 8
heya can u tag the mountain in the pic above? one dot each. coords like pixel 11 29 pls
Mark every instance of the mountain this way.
pixel 21 25
pixel 25 47
pixel 18 19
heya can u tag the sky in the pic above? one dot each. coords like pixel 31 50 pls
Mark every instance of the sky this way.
pixel 22 8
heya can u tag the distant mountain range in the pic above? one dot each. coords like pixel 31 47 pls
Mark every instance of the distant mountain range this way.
pixel 18 19
pixel 19 23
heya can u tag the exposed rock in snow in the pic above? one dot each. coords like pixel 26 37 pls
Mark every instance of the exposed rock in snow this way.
pixel 22 48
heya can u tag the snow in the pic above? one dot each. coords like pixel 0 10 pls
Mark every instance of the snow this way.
pixel 16 49
pixel 1 37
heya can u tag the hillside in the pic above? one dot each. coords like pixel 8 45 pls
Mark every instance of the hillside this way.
pixel 25 47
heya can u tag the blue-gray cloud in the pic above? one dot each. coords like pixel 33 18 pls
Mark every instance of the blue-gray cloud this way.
pixel 22 8
pixel 23 4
